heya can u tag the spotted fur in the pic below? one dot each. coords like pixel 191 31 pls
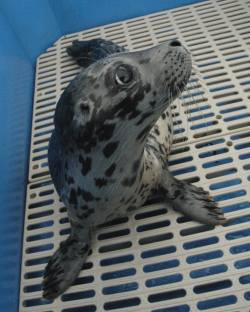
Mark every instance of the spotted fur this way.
pixel 112 137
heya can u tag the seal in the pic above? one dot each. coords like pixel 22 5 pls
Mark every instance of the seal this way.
pixel 108 151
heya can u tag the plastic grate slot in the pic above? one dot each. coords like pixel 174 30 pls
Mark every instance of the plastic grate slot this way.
pixel 212 270
pixel 218 302
pixel 89 308
pixel 164 280
pixel 212 286
pixel 120 288
pixel 161 266
pixel 169 295
pixel 179 308
pixel 121 304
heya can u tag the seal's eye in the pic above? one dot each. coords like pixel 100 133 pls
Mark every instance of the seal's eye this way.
pixel 123 75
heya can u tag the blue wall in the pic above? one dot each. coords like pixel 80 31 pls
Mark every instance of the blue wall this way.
pixel 27 28
pixel 16 83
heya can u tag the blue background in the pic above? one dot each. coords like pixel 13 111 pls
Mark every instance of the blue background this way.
pixel 27 28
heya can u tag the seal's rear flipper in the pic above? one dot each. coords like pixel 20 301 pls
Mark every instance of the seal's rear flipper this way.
pixel 192 201
pixel 87 52
pixel 64 266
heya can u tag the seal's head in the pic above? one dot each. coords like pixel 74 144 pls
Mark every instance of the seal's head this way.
pixel 128 86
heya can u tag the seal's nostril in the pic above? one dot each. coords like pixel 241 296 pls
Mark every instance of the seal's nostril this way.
pixel 175 43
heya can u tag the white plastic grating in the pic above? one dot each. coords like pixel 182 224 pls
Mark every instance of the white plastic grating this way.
pixel 158 260
pixel 217 36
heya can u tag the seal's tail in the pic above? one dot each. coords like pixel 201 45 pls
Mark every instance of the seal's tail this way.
pixel 89 51
pixel 64 267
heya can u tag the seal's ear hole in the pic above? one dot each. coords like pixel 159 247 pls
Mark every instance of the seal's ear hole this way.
pixel 123 75
pixel 84 108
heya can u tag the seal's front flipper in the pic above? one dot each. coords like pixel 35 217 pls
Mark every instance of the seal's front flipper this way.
pixel 89 51
pixel 65 265
pixel 192 201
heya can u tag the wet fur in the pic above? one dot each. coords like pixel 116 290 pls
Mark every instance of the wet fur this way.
pixel 108 152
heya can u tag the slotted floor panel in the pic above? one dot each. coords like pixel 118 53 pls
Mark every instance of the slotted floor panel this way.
pixel 217 36
pixel 157 260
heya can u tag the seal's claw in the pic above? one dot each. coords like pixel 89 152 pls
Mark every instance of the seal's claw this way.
pixel 199 205
pixel 191 200
pixel 63 267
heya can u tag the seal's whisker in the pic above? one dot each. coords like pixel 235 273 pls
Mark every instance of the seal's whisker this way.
pixel 195 69
pixel 200 78
pixel 180 103
pixel 197 75
pixel 190 97
pixel 187 112
pixel 195 84
pixel 177 90
pixel 203 90
pixel 200 98
pixel 174 115
pixel 192 83
pixel 197 98
pixel 171 101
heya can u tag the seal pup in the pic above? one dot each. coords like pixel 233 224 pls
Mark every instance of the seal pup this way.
pixel 108 151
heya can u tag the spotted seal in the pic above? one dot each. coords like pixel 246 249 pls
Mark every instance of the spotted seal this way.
pixel 107 153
